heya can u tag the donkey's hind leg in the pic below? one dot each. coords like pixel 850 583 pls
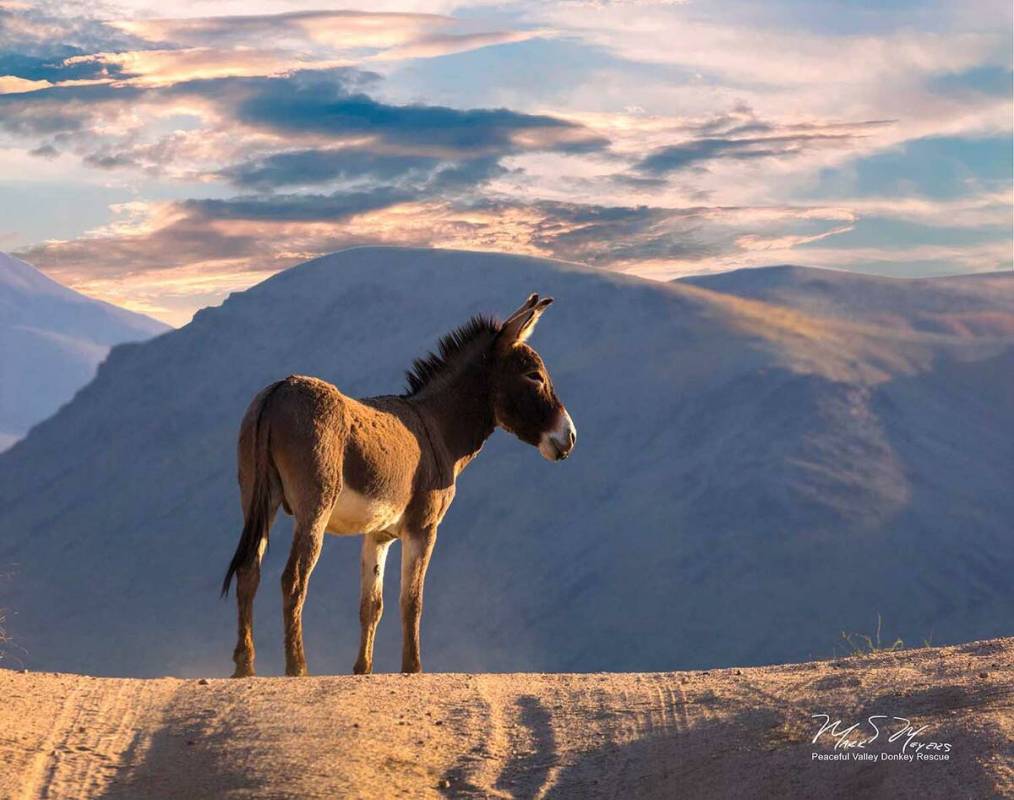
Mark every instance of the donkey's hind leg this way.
pixel 248 577
pixel 247 580
pixel 307 540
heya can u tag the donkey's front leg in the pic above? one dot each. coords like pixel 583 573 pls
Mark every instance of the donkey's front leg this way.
pixel 416 548
pixel 371 598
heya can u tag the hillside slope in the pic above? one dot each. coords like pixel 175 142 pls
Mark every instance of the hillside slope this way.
pixel 975 305
pixel 51 341
pixel 721 734
pixel 749 481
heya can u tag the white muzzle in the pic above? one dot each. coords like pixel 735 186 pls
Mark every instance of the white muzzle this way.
pixel 556 444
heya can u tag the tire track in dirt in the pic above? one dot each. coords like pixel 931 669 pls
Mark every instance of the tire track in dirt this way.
pixel 475 771
pixel 103 733
pixel 40 767
pixel 656 724
pixel 515 756
pixel 98 730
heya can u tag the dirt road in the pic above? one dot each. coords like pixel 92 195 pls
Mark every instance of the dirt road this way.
pixel 724 733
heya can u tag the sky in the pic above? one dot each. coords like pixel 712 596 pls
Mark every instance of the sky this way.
pixel 162 162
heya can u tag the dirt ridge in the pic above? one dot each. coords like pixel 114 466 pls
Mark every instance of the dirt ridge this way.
pixel 718 733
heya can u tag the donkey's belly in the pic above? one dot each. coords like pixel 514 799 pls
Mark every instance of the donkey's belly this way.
pixel 358 513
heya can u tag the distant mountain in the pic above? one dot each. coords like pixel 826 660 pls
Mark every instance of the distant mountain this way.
pixel 974 305
pixel 51 341
pixel 749 481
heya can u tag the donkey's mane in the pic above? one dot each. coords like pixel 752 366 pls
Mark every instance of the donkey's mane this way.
pixel 451 351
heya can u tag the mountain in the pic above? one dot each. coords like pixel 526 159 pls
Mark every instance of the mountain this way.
pixel 750 480
pixel 51 341
pixel 980 304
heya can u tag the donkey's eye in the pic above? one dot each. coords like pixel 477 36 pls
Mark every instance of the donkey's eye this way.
pixel 534 376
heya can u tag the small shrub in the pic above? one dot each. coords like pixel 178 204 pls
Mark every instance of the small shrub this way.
pixel 860 644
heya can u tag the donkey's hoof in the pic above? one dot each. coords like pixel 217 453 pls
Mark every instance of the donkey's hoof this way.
pixel 296 672
pixel 362 669
pixel 243 671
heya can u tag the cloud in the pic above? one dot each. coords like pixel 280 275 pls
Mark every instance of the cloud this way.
pixel 109 160
pixel 158 52
pixel 44 151
pixel 361 165
pixel 925 71
pixel 344 29
pixel 913 262
pixel 64 108
pixel 451 43
pixel 11 84
pixel 166 67
pixel 54 69
pixel 196 251
pixel 973 211
pixel 783 242
pixel 603 235
pixel 324 36
pixel 676 157
pixel 468 173
pixel 739 135
pixel 49 31
pixel 308 167
pixel 234 242
pixel 316 103
pixel 256 124
pixel 297 207
pixel 741 51
pixel 652 138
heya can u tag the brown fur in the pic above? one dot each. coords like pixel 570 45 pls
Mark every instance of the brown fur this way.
pixel 384 467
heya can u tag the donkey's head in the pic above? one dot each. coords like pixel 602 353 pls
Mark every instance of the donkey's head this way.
pixel 524 400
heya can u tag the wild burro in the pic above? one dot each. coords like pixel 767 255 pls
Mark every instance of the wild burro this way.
pixel 383 467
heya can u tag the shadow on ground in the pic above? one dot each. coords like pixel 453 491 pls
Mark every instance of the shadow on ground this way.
pixel 190 757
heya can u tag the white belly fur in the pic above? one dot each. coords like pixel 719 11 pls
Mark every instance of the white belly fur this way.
pixel 357 513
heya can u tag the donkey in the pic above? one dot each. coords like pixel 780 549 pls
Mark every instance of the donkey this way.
pixel 384 467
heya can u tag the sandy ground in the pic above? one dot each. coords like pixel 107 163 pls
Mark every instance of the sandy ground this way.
pixel 723 733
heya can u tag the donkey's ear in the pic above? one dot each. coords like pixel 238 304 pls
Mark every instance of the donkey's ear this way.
pixel 526 306
pixel 522 322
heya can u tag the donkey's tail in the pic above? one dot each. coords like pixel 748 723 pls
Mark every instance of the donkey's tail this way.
pixel 257 514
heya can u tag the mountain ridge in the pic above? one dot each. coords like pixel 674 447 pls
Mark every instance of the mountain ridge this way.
pixel 743 489
pixel 53 340
pixel 972 306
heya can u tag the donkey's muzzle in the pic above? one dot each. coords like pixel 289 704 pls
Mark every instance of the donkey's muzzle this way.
pixel 556 444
